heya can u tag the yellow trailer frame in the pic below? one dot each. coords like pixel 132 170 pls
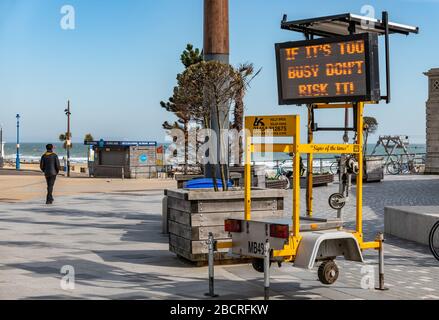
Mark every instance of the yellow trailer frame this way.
pixel 288 253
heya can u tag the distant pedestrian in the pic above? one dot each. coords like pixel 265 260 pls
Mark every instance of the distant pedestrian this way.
pixel 49 164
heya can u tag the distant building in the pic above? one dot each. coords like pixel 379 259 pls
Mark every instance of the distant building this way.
pixel 127 159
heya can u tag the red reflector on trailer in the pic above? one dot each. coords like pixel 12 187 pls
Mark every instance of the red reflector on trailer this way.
pixel 279 231
pixel 232 226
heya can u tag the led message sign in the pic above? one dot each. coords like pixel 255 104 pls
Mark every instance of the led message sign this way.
pixel 339 69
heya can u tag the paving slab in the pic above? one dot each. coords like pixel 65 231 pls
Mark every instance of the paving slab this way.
pixel 114 243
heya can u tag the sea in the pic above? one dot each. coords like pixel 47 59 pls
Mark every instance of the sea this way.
pixel 31 153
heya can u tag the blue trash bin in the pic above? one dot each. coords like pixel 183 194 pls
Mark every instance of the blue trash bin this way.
pixel 204 183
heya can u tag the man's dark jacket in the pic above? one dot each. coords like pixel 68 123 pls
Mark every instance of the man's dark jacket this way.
pixel 49 164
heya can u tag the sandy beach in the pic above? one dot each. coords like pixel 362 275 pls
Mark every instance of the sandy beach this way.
pixel 75 167
pixel 31 185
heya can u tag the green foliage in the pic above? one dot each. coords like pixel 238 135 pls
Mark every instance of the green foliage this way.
pixel 213 84
pixel 191 56
pixel 370 124
pixel 88 137
pixel 64 137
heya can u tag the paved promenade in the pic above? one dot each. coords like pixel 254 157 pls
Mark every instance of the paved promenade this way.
pixel 113 242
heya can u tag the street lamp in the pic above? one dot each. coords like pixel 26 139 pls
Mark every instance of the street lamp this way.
pixel 17 160
pixel 68 141
pixel 1 147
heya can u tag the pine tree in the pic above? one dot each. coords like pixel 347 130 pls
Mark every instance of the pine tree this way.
pixel 189 57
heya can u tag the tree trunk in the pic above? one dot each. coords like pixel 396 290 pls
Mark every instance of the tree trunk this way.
pixel 238 121
pixel 186 145
pixel 221 166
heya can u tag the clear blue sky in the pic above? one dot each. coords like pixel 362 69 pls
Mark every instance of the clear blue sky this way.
pixel 123 57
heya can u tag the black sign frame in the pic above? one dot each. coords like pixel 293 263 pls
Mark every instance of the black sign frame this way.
pixel 373 92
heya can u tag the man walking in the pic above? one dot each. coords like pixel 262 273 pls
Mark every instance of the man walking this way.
pixel 49 164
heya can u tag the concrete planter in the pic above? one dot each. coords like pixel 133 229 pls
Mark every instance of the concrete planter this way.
pixel 411 222
pixel 276 184
pixel 190 215
pixel 374 169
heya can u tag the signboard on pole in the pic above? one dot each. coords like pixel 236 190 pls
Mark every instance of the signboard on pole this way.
pixel 336 69
pixel 273 126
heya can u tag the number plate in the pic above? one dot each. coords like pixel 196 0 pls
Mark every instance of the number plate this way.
pixel 251 241
pixel 257 248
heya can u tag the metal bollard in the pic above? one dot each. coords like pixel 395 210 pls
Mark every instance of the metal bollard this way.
pixel 267 271
pixel 381 286
pixel 211 262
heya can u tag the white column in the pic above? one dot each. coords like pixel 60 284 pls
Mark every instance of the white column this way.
pixel 432 160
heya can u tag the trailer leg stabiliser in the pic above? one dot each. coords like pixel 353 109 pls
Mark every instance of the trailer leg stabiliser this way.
pixel 211 261
pixel 267 271
pixel 381 286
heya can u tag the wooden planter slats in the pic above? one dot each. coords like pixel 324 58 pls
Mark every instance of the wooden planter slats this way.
pixel 196 233
pixel 213 206
pixel 207 219
pixel 203 194
pixel 319 180
pixel 276 184
pixel 192 215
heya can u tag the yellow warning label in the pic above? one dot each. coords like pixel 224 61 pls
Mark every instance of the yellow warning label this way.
pixel 329 148
pixel 271 126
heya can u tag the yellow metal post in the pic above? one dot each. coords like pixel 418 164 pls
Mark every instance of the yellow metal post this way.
pixel 309 191
pixel 296 180
pixel 247 176
pixel 360 141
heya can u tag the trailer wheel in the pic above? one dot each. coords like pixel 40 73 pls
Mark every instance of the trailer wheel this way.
pixel 337 201
pixel 258 265
pixel 328 272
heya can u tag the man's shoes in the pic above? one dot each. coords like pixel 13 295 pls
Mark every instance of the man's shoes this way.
pixel 49 202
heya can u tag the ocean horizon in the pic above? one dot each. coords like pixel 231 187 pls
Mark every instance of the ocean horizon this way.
pixel 32 151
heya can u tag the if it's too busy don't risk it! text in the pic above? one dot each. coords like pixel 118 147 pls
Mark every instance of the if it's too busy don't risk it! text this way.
pixel 334 72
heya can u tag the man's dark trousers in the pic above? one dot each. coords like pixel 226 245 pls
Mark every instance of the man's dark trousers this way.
pixel 49 164
pixel 50 183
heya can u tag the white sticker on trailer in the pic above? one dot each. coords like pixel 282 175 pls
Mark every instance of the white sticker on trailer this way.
pixel 251 241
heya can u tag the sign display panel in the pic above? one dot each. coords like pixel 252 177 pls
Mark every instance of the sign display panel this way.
pixel 339 69
pixel 274 126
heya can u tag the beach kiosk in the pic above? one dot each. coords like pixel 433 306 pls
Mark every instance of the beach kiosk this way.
pixel 123 159
pixel 335 67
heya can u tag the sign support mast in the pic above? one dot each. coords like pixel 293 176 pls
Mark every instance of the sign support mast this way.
pixel 216 48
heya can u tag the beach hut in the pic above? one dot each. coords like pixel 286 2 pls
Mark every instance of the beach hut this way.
pixel 123 159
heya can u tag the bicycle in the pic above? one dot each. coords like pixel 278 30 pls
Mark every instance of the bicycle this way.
pixel 283 175
pixel 399 166
pixel 433 240
pixel 334 168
